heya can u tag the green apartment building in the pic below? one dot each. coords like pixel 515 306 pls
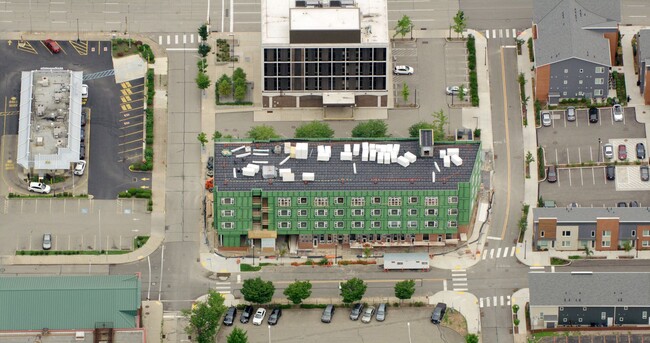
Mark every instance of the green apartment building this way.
pixel 314 194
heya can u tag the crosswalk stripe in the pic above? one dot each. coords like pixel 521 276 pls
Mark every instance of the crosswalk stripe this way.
pixel 512 253
pixel 498 252
pixel 487 34
pixel 444 285
pixel 507 33
pixel 458 271
pixel 505 251
pixel 222 287
pixel 487 300
pixel 159 40
pixel 460 289
pixel 494 300
pixel 480 302
pixel 508 297
pixel 484 256
pixel 184 39
pixel 460 283
pixel 175 39
pixel 168 40
pixel 514 33
pixel 494 33
pixel 501 299
pixel 500 33
pixel 223 292
pixel 491 253
pixel 536 267
pixel 192 39
pixel 460 279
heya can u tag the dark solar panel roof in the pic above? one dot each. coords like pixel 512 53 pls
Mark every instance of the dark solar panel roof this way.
pixel 339 175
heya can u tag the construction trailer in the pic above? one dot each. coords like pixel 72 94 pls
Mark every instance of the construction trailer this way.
pixel 406 261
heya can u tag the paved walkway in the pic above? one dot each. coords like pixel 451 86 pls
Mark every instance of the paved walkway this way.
pixel 520 298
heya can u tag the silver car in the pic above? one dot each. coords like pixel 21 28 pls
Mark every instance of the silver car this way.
pixel 608 151
pixel 381 312
pixel 47 241
pixel 367 314
pixel 546 118
pixel 571 113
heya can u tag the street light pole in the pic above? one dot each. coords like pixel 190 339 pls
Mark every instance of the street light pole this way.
pixel 78 40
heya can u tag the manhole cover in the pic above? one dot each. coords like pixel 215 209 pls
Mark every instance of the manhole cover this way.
pixel 135 179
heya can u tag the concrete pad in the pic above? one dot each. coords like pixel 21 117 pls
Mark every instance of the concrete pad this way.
pixel 129 68
pixel 161 66
pixel 175 170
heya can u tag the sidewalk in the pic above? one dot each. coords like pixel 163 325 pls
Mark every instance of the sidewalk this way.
pixel 520 298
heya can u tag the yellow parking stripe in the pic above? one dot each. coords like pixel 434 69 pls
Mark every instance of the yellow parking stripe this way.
pixel 81 47
pixel 26 47
pixel 131 133
pixel 126 84
pixel 125 98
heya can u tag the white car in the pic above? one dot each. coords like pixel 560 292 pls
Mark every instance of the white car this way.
pixel 259 316
pixel 80 168
pixel 618 112
pixel 453 90
pixel 38 187
pixel 403 70
pixel 84 91
pixel 367 314
pixel 546 118
pixel 608 151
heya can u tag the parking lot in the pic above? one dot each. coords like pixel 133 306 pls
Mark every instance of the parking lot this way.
pixel 582 337
pixel 577 148
pixel 405 53
pixel 456 69
pixel 107 169
pixel 303 325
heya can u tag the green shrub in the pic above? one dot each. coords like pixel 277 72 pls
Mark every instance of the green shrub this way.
pixel 245 267
pixel 471 65
pixel 531 53
pixel 311 306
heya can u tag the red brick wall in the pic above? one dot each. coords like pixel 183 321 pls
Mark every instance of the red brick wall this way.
pixel 607 225
pixel 542 82
pixel 613 45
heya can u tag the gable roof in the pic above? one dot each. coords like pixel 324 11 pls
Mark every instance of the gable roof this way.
pixel 569 29
pixel 589 289
pixel 68 302
pixel 644 46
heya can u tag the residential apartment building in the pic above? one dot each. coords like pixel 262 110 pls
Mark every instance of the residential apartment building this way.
pixel 600 229
pixel 643 63
pixel 325 53
pixel 575 44
pixel 589 299
pixel 351 193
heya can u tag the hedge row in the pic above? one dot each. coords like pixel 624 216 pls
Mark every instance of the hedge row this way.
pixel 147 162
pixel 471 65
pixel 136 192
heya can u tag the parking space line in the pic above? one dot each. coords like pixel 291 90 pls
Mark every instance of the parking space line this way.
pixel 556 157
pixel 130 118
pixel 593 175
pixel 611 113
pixel 582 181
pixel 133 141
pixel 579 155
pixel 131 133
pixel 132 108
pixel 131 125
pixel 591 154
pixel 558 178
pixel 134 149
pixel 568 158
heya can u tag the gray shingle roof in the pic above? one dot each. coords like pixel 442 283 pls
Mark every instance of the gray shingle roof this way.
pixel 604 289
pixel 563 29
pixel 589 214
pixel 644 45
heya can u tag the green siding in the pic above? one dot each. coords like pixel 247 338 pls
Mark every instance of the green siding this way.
pixel 68 302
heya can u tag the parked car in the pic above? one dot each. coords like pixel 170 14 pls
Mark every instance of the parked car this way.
pixel 621 204
pixel 593 114
pixel 644 171
pixel 259 316
pixel 610 172
pixel 403 70
pixel 246 314
pixel 83 118
pixel 438 313
pixel 47 241
pixel 53 46
pixel 82 134
pixel 546 118
pixel 231 314
pixel 453 90
pixel 640 151
pixel 356 311
pixel 82 151
pixel 618 112
pixel 381 312
pixel 622 152
pixel 39 187
pixel 367 314
pixel 328 314
pixel 275 316
pixel 571 113
pixel 210 164
pixel 634 204
pixel 84 91
pixel 608 151
pixel 80 168
pixel 551 174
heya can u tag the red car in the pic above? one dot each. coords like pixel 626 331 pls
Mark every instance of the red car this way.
pixel 53 46
pixel 622 152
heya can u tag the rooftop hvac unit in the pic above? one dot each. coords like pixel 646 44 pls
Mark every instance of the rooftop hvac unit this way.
pixel 308 176
pixel 410 156
pixel 456 160
pixel 335 3
pixel 301 3
pixel 269 172
pixel 40 141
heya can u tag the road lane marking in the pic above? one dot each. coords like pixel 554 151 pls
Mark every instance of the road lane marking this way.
pixel 498 252
pixel 505 251
pixel 509 176
pixel 492 253
pixel 512 252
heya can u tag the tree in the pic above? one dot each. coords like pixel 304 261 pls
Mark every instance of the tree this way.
pixel 224 85
pixel 414 130
pixel 240 91
pixel 315 129
pixel 460 23
pixel 204 49
pixel 627 246
pixel 529 158
pixel 471 338
pixel 239 74
pixel 404 289
pixel 282 253
pixel 216 136
pixel 257 290
pixel 298 291
pixel 404 26
pixel 461 93
pixel 439 122
pixel 367 252
pixel 353 290
pixel 202 138
pixel 405 92
pixel 202 64
pixel 375 128
pixel 202 80
pixel 238 336
pixel 203 32
pixel 204 317
pixel 262 132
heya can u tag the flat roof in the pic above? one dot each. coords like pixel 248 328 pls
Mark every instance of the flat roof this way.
pixel 281 16
pixel 336 174
pixel 591 214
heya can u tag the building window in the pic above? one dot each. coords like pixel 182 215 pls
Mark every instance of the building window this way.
pixel 593 233
pixel 302 225
pixel 227 213
pixel 579 82
pixel 431 224
pixel 606 244
pixel 645 244
pixel 357 212
pixel 413 212
pixel 603 315
pixel 566 82
pixel 564 93
pixel 412 224
pixel 599 81
pixel 413 200
pixel 633 233
pixel 452 200
pixel 321 201
pixel 376 212
pixel 302 201
pixel 621 319
pixel 302 213
pixel 394 201
pixel 321 225
pixel 284 213
pixel 375 225
pixel 598 92
pixel 579 320
pixel 566 71
pixel 581 93
pixel 566 233
pixel 581 71
pixel 452 211
pixel 320 213
pixel 227 201
pixel 228 225
pixel 358 201
pixel 376 200
pixel 564 320
pixel 452 223
pixel 566 244
pixel 357 225
pixel 431 201
pixel 284 202
pixel 284 225
pixel 394 212
pixel 600 70
pixel 339 201
pixel 646 233
pixel 339 212
pixel 607 233
pixel 394 224
pixel 541 233
pixel 644 314
pixel 432 212
pixel 338 225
